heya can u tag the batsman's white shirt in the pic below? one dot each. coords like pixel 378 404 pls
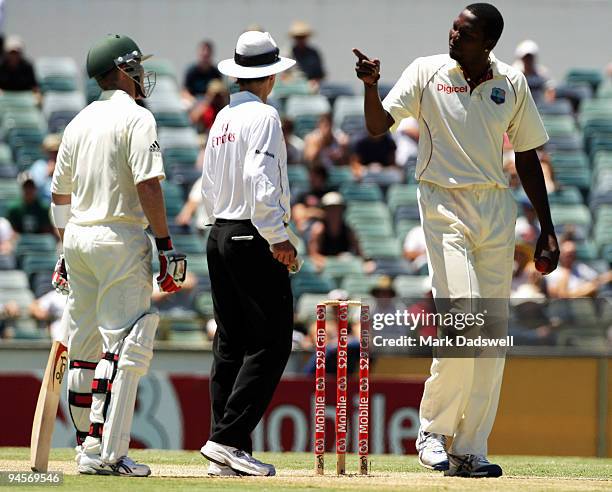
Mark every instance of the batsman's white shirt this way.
pixel 461 133
pixel 468 215
pixel 245 167
pixel 108 148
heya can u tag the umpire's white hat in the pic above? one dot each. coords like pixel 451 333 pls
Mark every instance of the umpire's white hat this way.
pixel 256 55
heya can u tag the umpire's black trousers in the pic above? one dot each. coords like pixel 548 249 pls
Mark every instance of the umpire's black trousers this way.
pixel 253 307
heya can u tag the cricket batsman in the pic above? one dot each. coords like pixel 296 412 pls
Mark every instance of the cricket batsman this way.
pixel 464 102
pixel 105 191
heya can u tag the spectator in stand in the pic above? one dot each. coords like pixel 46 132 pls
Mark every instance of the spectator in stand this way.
pixel 49 308
pixel 527 226
pixel 407 142
pixel 200 74
pixel 307 207
pixel 326 146
pixel 307 57
pixel 371 155
pixel 16 72
pixel 8 311
pixel 527 282
pixel 549 173
pixel 295 145
pixel 204 111
pixel 540 84
pixel 574 278
pixel 385 302
pixel 29 215
pixel 7 245
pixel 414 249
pixel 192 213
pixel 331 236
pixel 42 170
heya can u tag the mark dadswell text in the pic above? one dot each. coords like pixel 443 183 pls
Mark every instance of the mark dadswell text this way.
pixel 431 341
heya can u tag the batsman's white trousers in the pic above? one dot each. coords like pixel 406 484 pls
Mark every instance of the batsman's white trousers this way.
pixel 110 275
pixel 469 234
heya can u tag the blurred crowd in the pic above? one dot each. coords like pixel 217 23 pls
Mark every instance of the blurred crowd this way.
pixel 332 162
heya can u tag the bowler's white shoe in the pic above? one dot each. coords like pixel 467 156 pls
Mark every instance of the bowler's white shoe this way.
pixel 92 464
pixel 471 465
pixel 238 460
pixel 215 470
pixel 79 451
pixel 432 450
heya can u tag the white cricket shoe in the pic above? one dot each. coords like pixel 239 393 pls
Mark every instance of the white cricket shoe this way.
pixel 238 460
pixel 473 466
pixel 79 451
pixel 215 470
pixel 432 450
pixel 92 464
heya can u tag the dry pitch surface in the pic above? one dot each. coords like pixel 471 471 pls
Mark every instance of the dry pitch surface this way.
pixel 182 470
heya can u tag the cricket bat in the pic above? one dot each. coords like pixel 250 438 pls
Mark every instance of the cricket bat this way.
pixel 46 408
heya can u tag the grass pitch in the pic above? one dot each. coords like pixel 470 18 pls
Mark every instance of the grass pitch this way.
pixel 186 470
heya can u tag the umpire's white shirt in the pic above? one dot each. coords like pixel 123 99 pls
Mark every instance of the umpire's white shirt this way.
pixel 245 167
pixel 108 148
pixel 461 133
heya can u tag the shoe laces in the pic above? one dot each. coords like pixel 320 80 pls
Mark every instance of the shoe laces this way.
pixel 239 453
pixel 435 442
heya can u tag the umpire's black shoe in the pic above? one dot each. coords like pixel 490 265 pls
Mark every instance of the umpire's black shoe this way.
pixel 472 466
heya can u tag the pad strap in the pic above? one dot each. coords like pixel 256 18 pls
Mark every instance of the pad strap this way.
pixel 95 430
pixel 82 400
pixel 83 364
pixel 101 386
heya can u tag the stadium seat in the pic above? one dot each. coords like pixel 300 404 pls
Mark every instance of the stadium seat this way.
pixel 176 119
pixel 557 107
pixel 590 76
pixel 9 190
pixel 571 215
pixel 178 137
pixel 392 267
pixel 374 247
pixel 204 305
pixel 399 195
pixel 14 279
pixel 283 88
pixel 338 175
pixel 340 266
pixel 357 285
pixel 298 175
pixel 58 121
pixel 333 90
pixel 358 192
pixel 567 195
pixel 62 101
pixel 349 115
pixel 305 111
pixel 188 243
pixel 414 286
pixel 303 282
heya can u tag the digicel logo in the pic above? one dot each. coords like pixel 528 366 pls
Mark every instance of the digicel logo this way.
pixel 449 89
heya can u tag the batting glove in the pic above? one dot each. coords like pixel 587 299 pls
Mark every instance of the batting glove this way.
pixel 60 277
pixel 172 266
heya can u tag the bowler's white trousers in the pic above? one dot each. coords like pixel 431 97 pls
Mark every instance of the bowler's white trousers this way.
pixel 469 234
pixel 110 274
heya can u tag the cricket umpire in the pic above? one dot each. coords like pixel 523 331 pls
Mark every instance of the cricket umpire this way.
pixel 465 101
pixel 105 191
pixel 245 193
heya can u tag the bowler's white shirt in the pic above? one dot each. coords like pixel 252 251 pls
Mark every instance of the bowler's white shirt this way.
pixel 106 150
pixel 245 167
pixel 462 133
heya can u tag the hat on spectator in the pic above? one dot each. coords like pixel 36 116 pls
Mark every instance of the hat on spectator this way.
pixel 332 198
pixel 527 47
pixel 299 29
pixel 25 178
pixel 13 43
pixel 384 287
pixel 338 295
pixel 256 55
pixel 215 86
pixel 52 142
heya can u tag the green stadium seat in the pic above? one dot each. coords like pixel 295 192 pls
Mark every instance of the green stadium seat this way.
pixel 197 264
pixel 414 286
pixel 38 262
pixel 404 226
pixel 188 337
pixel 338 175
pixel 204 305
pixel 14 280
pixel 567 195
pixel 571 214
pixel 358 192
pixel 188 244
pixel 284 89
pixel 298 175
pixel 559 124
pixel 340 266
pixel 306 306
pixel 9 190
pixel 305 111
pixel 380 247
pixel 177 119
pixel 401 195
pixel 304 282
pixel 590 76
pixel 357 285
